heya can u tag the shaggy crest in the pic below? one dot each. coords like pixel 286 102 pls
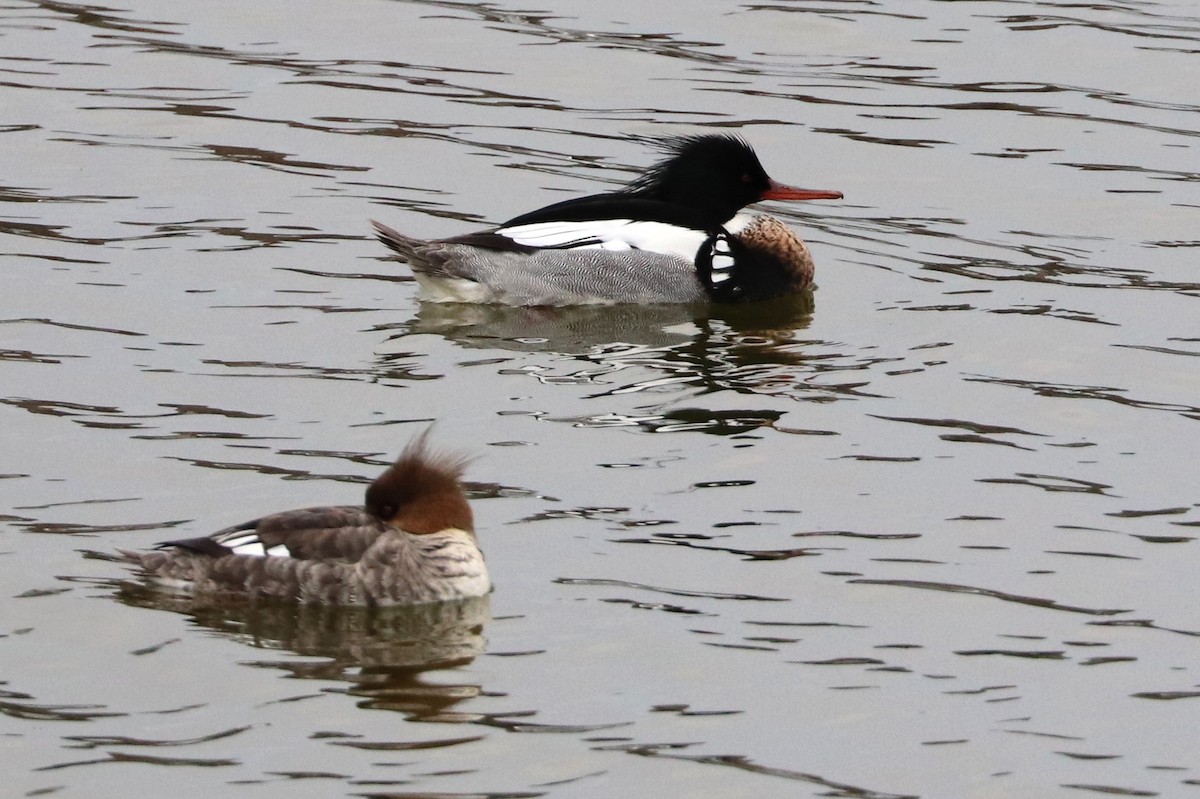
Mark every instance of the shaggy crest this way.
pixel 715 174
pixel 421 493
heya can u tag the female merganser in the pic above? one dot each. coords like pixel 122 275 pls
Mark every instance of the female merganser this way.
pixel 671 236
pixel 413 542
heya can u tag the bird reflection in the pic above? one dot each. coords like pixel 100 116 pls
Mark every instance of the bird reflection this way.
pixel 382 653
pixel 662 350
pixel 576 329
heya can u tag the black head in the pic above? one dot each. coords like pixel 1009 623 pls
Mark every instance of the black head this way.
pixel 714 175
pixel 717 175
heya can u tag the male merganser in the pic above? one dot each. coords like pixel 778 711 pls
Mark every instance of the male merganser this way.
pixel 673 235
pixel 413 542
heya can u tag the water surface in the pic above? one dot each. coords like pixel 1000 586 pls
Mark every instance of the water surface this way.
pixel 928 533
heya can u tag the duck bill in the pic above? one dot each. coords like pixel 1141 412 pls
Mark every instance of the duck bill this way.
pixel 780 191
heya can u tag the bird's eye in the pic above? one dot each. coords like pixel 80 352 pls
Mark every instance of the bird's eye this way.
pixel 745 178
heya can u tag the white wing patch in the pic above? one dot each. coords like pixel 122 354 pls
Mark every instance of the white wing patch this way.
pixel 247 543
pixel 609 234
pixel 722 260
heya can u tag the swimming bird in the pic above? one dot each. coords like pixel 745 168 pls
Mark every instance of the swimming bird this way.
pixel 673 235
pixel 412 542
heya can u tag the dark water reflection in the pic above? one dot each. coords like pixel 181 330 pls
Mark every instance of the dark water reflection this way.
pixel 410 639
pixel 699 350
pixel 380 653
pixel 570 330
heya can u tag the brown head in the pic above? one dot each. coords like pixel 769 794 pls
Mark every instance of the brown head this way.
pixel 420 493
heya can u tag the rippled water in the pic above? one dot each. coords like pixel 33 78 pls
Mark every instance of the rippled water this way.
pixel 931 534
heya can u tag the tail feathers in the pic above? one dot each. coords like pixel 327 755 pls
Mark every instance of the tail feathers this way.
pixel 124 556
pixel 396 241
pixel 131 557
pixel 201 546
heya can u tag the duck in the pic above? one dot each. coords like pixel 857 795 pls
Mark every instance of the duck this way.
pixel 412 542
pixel 675 234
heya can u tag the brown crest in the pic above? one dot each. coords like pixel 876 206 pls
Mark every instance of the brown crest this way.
pixel 421 493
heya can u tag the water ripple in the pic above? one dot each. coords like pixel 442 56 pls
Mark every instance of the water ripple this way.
pixel 988 592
